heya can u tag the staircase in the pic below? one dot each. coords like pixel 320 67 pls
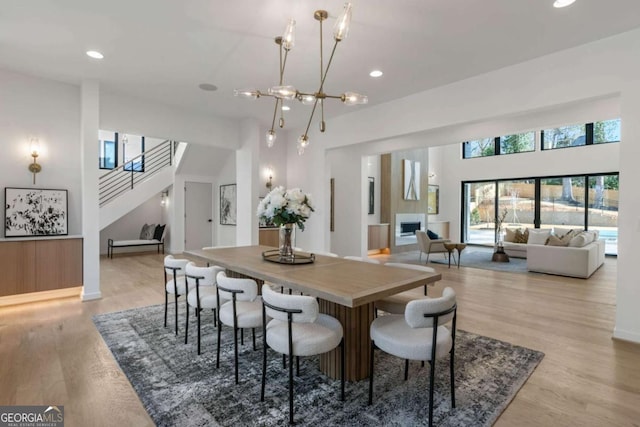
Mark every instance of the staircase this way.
pixel 131 184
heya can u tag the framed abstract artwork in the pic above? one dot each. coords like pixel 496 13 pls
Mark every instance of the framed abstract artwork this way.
pixel 35 212
pixel 411 182
pixel 228 204
pixel 433 200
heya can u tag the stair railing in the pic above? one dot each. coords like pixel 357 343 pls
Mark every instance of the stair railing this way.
pixel 135 171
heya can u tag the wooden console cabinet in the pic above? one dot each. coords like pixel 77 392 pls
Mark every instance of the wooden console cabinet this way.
pixel 40 265
pixel 269 237
pixel 378 237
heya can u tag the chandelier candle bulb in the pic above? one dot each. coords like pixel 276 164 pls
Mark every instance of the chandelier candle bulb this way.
pixel 352 98
pixel 271 138
pixel 341 27
pixel 288 39
pixel 247 93
pixel 283 92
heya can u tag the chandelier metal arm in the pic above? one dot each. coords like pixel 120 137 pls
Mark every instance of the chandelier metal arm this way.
pixel 275 112
pixel 287 92
pixel 283 64
pixel 322 94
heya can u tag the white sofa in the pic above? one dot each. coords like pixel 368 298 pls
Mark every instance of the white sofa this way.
pixel 566 261
pixel 515 250
pixel 519 250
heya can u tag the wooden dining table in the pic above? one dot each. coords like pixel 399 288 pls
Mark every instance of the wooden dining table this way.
pixel 346 289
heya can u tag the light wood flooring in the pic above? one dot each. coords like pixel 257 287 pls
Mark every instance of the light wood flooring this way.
pixel 51 353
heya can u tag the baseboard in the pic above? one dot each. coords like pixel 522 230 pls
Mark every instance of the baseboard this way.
pixel 626 335
pixel 90 296
pixel 39 296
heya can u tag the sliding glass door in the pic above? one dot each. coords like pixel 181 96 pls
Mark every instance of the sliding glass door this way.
pixel 577 202
pixel 562 202
pixel 603 209
pixel 517 197
pixel 479 212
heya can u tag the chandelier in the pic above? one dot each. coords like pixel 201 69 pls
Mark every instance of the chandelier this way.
pixel 283 92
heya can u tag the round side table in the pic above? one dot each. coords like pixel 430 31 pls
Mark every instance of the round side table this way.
pixel 450 247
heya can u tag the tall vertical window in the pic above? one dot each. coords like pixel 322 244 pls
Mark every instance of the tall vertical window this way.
pixel 479 212
pixel 107 149
pixel 517 197
pixel 603 209
pixel 562 202
pixel 132 149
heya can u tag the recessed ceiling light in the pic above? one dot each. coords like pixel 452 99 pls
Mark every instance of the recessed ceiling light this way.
pixel 562 3
pixel 376 73
pixel 208 87
pixel 94 54
pixel 286 108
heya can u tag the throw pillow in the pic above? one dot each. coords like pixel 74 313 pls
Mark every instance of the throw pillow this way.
pixel 560 241
pixel 554 241
pixel 561 232
pixel 593 235
pixel 538 237
pixel 158 233
pixel 521 237
pixel 432 235
pixel 150 231
pixel 510 235
pixel 143 232
pixel 578 241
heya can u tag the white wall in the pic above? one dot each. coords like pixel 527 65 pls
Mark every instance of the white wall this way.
pixel 576 160
pixel 491 101
pixel 350 188
pixel 274 158
pixel 225 234
pixel 50 111
pixel 373 170
pixel 128 227
pixel 140 117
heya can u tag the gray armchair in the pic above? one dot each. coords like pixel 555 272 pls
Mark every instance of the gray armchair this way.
pixel 429 246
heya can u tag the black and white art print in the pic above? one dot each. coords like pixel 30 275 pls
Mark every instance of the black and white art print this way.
pixel 228 204
pixel 35 212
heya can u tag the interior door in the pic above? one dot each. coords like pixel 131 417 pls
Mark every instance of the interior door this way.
pixel 198 215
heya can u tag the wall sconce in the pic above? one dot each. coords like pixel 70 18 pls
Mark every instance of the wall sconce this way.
pixel 34 167
pixel 164 201
pixel 270 182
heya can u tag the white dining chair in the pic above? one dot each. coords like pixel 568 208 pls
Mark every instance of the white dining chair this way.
pixel 242 310
pixel 419 334
pixel 174 283
pixel 201 294
pixel 297 329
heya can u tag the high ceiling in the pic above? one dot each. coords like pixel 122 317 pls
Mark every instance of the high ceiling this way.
pixel 161 50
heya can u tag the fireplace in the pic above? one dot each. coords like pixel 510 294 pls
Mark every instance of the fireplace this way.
pixel 406 226
pixel 409 228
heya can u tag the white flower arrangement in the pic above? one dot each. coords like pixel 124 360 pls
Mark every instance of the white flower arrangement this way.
pixel 282 206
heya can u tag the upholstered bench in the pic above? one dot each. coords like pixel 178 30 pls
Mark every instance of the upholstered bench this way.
pixel 150 235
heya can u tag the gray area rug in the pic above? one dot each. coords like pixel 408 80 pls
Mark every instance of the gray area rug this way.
pixel 477 258
pixel 179 388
